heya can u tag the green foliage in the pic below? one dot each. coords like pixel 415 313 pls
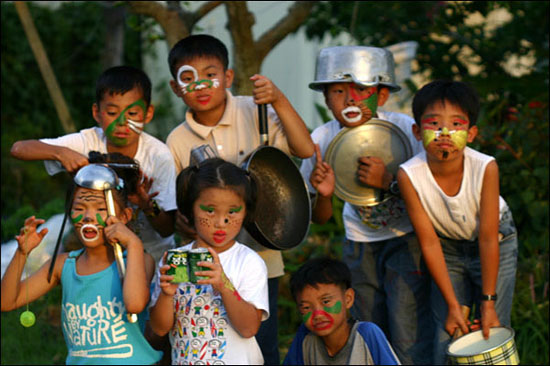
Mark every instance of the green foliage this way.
pixel 73 37
pixel 41 344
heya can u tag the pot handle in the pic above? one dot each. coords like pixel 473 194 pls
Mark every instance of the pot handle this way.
pixel 262 119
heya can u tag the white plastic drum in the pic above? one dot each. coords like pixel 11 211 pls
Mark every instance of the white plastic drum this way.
pixel 473 349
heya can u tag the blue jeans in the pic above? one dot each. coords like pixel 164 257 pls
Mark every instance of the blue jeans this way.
pixel 464 267
pixel 267 334
pixel 392 289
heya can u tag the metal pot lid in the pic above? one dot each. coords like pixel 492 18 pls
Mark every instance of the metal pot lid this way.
pixel 375 138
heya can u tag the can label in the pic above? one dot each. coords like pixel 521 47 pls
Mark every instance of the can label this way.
pixel 178 259
pixel 195 256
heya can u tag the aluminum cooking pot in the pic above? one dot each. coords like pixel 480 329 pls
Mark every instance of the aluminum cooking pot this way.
pixel 368 66
pixel 283 207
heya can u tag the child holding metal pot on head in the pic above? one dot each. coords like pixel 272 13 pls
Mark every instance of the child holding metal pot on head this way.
pixel 465 228
pixel 214 310
pixel 322 290
pixel 98 309
pixel 390 280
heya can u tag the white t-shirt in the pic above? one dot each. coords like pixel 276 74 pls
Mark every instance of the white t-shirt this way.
pixel 368 223
pixel 236 135
pixel 202 331
pixel 156 162
pixel 455 217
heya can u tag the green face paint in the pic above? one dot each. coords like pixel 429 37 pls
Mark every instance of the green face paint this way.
pixel 460 139
pixel 372 103
pixel 77 219
pixel 206 208
pixel 334 309
pixel 121 121
pixel 191 87
pixel 237 209
pixel 305 317
pixel 100 220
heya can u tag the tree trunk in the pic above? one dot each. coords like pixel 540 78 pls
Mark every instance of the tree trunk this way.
pixel 45 67
pixel 115 17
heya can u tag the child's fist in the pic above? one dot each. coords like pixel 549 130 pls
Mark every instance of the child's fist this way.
pixel 265 92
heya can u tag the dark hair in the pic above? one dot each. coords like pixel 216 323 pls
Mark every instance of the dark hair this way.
pixel 120 79
pixel 197 45
pixel 129 175
pixel 214 173
pixel 323 270
pixel 454 92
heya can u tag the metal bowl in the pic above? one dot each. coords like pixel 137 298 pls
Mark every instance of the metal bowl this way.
pixel 375 138
pixel 368 66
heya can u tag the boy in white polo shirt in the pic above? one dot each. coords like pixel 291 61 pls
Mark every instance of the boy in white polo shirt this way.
pixel 229 124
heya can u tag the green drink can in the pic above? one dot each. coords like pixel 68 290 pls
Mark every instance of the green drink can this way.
pixel 195 256
pixel 178 260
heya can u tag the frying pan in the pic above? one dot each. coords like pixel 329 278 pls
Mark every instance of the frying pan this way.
pixel 283 207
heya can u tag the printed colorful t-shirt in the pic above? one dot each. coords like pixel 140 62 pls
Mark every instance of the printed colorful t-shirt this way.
pixel 202 332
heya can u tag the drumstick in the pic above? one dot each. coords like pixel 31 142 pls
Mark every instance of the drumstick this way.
pixel 465 313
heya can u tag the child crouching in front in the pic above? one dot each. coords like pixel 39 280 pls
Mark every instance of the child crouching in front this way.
pixel 323 293
pixel 215 318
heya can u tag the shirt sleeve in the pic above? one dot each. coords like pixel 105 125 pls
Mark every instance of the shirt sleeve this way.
pixel 82 142
pixel 295 355
pixel 253 289
pixel 379 347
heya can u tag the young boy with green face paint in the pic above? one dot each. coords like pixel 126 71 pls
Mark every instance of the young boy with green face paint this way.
pixel 323 293
pixel 122 108
pixel 465 229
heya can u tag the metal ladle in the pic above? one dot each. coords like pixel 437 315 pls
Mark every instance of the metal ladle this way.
pixel 102 178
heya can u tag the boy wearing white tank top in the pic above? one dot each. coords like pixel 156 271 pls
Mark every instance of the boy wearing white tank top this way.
pixel 465 229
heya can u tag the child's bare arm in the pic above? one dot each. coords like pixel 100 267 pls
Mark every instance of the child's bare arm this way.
pixel 37 150
pixel 16 293
pixel 489 245
pixel 244 316
pixel 135 288
pixel 322 179
pixel 162 313
pixel 432 252
pixel 299 140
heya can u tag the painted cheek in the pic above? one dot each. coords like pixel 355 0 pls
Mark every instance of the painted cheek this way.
pixel 460 138
pixel 371 102
pixel 77 218
pixel 427 137
pixel 334 309
pixel 306 317
pixel 100 220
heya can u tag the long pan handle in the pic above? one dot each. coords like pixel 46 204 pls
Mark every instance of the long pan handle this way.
pixel 262 119
pixel 116 247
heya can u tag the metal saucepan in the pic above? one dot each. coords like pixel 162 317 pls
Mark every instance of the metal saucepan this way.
pixel 283 207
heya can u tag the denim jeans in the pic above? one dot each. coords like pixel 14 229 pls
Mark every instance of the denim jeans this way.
pixel 392 289
pixel 267 334
pixel 464 267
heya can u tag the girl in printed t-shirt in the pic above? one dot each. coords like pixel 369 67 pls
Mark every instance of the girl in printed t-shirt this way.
pixel 215 320
pixel 95 303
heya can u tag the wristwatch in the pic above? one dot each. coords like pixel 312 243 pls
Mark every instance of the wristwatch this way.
pixel 154 211
pixel 489 297
pixel 394 188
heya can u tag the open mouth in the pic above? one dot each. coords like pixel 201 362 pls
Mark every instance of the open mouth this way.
pixel 89 232
pixel 352 114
